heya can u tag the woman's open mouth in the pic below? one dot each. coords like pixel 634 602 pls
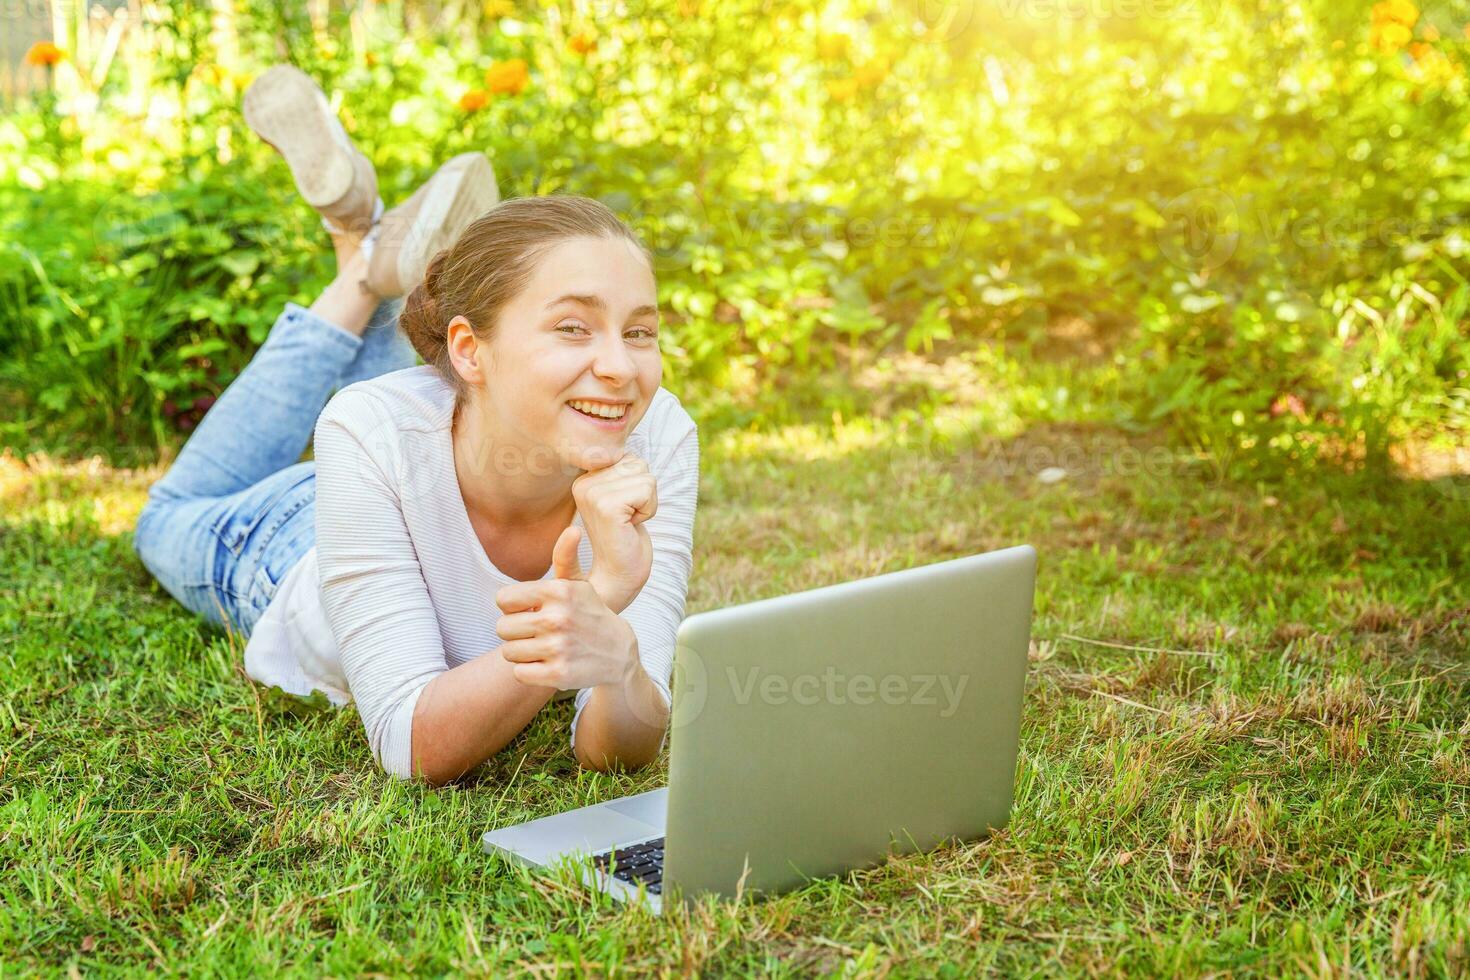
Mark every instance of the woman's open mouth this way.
pixel 604 415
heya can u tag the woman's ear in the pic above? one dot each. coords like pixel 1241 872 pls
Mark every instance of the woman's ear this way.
pixel 466 353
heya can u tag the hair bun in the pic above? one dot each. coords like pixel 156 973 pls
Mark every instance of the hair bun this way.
pixel 422 320
pixel 434 271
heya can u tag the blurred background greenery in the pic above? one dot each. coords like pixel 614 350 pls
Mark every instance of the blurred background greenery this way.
pixel 1243 222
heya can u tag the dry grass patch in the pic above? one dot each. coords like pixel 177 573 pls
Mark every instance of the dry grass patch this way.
pixel 48 488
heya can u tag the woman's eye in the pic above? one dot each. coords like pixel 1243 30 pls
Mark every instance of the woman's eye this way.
pixel 571 326
pixel 642 333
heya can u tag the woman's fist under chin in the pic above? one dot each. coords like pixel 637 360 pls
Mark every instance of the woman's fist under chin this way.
pixel 614 501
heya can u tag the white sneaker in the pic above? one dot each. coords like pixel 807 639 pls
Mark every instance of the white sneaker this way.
pixel 288 110
pixel 407 237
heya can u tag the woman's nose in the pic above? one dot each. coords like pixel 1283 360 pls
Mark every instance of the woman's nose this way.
pixel 612 362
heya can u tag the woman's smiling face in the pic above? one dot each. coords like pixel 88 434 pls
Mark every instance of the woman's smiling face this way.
pixel 572 362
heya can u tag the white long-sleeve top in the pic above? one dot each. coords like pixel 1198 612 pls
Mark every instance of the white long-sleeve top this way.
pixel 398 588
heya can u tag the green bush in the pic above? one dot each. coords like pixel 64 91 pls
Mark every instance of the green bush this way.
pixel 1255 210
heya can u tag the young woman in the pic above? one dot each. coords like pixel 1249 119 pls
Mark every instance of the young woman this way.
pixel 511 519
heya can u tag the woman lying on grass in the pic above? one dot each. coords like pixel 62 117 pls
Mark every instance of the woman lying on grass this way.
pixel 511 519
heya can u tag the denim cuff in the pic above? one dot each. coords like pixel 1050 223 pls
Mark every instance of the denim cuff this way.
pixel 305 325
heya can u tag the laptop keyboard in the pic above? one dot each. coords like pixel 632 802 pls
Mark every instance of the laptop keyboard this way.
pixel 638 864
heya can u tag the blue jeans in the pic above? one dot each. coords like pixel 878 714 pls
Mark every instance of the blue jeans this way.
pixel 236 510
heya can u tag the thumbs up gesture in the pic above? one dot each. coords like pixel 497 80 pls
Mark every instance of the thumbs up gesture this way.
pixel 559 632
pixel 564 561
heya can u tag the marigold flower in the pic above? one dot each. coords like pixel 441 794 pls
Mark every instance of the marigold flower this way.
pixel 842 89
pixel 1395 11
pixel 508 77
pixel 1432 66
pixel 44 53
pixel 474 100
pixel 582 44
pixel 871 74
pixel 832 47
pixel 1390 36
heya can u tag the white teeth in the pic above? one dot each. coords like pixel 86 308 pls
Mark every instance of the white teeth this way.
pixel 601 411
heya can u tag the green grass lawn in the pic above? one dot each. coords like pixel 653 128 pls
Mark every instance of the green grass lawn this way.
pixel 1244 746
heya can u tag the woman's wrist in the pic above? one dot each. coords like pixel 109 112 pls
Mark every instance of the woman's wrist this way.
pixel 630 664
pixel 613 595
pixel 622 724
pixel 635 693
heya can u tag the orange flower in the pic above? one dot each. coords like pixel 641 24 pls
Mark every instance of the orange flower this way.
pixel 508 77
pixel 1395 11
pixel 44 53
pixel 1390 36
pixel 1432 66
pixel 871 74
pixel 474 100
pixel 832 47
pixel 842 89
pixel 582 44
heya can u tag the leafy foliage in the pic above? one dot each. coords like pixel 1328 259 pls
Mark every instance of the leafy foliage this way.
pixel 1244 221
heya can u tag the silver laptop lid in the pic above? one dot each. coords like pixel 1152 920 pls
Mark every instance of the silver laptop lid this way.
pixel 820 731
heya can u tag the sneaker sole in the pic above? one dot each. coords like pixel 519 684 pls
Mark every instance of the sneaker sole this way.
pixel 461 191
pixel 288 110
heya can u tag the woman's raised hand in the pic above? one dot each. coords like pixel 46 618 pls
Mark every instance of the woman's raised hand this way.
pixel 559 632
pixel 614 501
pixel 566 632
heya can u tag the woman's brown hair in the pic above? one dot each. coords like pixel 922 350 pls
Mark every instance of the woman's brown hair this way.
pixel 492 262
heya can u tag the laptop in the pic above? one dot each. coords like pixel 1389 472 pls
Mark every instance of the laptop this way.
pixel 816 733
